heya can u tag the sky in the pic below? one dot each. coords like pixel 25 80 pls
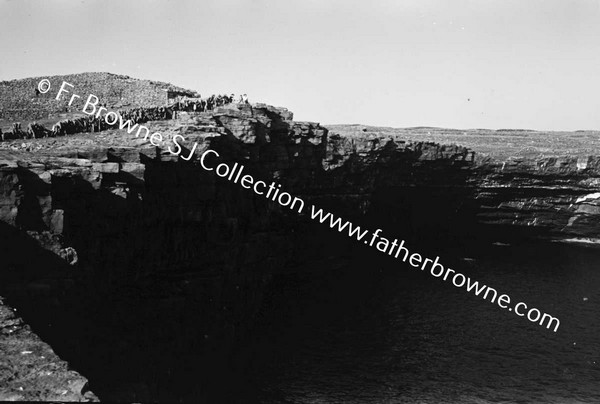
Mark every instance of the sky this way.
pixel 458 64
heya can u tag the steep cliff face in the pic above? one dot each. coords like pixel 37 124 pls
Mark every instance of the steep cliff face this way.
pixel 154 253
pixel 514 183
pixel 101 197
pixel 557 197
pixel 127 210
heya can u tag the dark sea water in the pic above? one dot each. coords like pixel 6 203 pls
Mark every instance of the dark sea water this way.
pixel 380 331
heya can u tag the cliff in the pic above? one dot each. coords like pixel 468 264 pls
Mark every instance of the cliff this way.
pixel 130 248
pixel 126 225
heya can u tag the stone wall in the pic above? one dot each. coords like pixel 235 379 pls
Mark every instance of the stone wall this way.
pixel 19 101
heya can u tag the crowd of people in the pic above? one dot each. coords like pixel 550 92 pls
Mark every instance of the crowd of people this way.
pixel 141 115
pixel 207 104
pixel 135 115
pixel 78 125
pixel 34 130
pixel 61 128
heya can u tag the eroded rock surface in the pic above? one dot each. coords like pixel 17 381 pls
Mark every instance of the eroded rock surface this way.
pixel 541 183
pixel 30 370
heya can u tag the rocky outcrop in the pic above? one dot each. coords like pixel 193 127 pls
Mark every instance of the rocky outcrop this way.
pixel 514 183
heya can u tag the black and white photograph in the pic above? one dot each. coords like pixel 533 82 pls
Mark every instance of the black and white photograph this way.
pixel 300 201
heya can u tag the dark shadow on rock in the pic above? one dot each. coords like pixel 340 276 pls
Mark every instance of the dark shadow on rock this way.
pixel 152 306
pixel 30 213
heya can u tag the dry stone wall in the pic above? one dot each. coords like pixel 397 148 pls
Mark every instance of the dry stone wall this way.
pixel 19 101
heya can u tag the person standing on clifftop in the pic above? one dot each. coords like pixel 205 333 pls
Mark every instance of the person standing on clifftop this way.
pixel 30 130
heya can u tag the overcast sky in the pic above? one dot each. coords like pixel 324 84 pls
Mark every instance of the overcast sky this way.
pixel 462 64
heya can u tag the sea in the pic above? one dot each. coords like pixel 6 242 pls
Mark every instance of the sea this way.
pixel 377 330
